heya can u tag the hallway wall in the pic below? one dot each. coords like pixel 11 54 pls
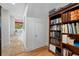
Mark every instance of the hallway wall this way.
pixel 5 18
pixel 12 25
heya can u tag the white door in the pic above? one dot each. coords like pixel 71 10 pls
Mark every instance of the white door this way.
pixel 36 35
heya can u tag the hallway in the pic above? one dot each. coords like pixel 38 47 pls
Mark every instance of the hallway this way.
pixel 25 28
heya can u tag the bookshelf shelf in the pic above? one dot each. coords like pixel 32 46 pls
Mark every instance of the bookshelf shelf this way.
pixel 71 48
pixel 55 24
pixel 73 21
pixel 66 20
pixel 55 30
pixel 74 36
pixel 55 38
pixel 56 45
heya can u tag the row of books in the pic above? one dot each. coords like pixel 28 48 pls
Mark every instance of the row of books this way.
pixel 52 48
pixel 56 27
pixel 55 49
pixel 72 28
pixel 55 21
pixel 55 34
pixel 55 41
pixel 66 39
pixel 67 52
pixel 70 16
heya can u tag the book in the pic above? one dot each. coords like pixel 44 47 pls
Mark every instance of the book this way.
pixel 77 27
pixel 51 34
pixel 70 16
pixel 70 30
pixel 77 13
pixel 67 52
pixel 73 15
pixel 70 41
pixel 64 39
pixel 52 47
pixel 51 21
pixel 64 28
pixel 55 21
pixel 74 28
pixel 56 27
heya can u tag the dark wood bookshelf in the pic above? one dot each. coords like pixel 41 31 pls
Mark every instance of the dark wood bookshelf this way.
pixel 56 45
pixel 55 30
pixel 59 14
pixel 73 21
pixel 72 48
pixel 64 9
pixel 55 24
pixel 55 38
pixel 72 35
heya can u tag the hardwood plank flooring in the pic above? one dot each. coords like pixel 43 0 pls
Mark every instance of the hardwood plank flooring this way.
pixel 37 52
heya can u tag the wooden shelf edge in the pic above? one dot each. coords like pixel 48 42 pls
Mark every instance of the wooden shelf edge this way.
pixel 56 45
pixel 53 53
pixel 54 37
pixel 55 30
pixel 55 24
pixel 72 48
pixel 71 21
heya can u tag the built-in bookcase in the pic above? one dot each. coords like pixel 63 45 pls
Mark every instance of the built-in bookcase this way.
pixel 64 31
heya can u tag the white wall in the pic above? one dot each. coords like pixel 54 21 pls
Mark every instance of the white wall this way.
pixel 5 27
pixel 12 25
pixel 25 24
pixel 29 38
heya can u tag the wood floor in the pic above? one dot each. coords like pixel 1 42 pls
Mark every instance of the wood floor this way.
pixel 37 52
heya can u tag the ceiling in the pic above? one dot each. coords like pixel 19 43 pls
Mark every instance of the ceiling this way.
pixel 38 10
pixel 41 10
pixel 16 10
